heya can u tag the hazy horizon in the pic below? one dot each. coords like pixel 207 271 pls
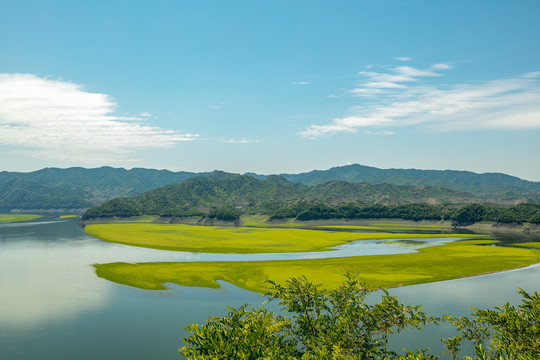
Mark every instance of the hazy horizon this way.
pixel 251 172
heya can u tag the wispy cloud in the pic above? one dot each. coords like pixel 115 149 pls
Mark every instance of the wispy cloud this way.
pixel 396 78
pixel 217 105
pixel 379 133
pixel 238 141
pixel 441 66
pixel 59 120
pixel 400 98
pixel 301 82
pixel 403 58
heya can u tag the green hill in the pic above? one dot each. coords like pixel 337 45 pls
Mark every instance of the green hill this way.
pixel 86 186
pixel 199 196
pixel 28 195
pixel 80 187
pixel 479 184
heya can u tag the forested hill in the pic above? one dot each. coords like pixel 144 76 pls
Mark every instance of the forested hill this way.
pixel 74 188
pixel 29 195
pixel 487 184
pixel 200 196
pixel 105 182
pixel 53 188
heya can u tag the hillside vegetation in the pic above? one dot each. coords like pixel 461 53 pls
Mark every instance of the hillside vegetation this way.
pixel 76 188
pixel 227 196
pixel 79 188
pixel 23 194
pixel 488 183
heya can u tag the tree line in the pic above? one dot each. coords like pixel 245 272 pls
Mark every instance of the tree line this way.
pixel 304 211
pixel 460 216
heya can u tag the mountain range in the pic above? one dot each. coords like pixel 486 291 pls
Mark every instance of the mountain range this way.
pixel 230 193
pixel 79 188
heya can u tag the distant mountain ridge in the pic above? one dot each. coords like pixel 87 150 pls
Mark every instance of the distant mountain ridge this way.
pixel 199 196
pixel 488 183
pixel 28 195
pixel 74 188
pixel 89 186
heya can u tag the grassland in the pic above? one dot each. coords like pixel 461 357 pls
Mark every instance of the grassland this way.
pixel 213 239
pixel 449 261
pixel 443 262
pixel 385 227
pixel 263 221
pixel 535 245
pixel 403 225
pixel 7 218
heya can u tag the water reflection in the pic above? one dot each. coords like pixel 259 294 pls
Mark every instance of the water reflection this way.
pixel 40 284
pixel 50 298
pixel 46 272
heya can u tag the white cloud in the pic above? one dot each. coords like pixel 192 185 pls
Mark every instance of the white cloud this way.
pixel 384 85
pixel 441 66
pixel 532 74
pixel 301 82
pixel 347 124
pixel 373 76
pixel 497 104
pixel 409 71
pixel 238 141
pixel 403 58
pixel 379 133
pixel 331 96
pixel 145 114
pixel 365 92
pixel 59 120
pixel 377 82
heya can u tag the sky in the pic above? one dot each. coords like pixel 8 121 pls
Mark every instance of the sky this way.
pixel 271 86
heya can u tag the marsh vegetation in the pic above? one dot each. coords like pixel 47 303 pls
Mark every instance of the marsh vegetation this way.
pixel 446 260
pixel 7 218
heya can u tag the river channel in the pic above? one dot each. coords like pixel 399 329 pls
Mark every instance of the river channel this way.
pixel 53 306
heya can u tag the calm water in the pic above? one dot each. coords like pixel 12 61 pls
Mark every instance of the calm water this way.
pixel 52 306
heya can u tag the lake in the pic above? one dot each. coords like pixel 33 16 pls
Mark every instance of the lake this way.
pixel 53 306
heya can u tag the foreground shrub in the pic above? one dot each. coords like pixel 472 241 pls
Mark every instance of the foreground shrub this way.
pixel 325 324
pixel 506 332
pixel 338 324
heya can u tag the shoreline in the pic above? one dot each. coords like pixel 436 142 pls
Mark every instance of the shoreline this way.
pixel 496 229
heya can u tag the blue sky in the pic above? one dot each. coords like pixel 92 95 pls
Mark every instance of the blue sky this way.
pixel 271 86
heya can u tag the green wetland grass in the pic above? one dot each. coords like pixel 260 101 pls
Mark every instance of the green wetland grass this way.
pixel 535 245
pixel 7 218
pixel 444 262
pixel 396 225
pixel 214 239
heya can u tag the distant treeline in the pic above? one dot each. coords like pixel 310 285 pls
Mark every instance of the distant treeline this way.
pixel 463 216
pixel 304 211
pixel 123 207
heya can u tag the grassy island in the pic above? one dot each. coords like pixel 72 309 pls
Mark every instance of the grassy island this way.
pixel 444 262
pixel 535 245
pixel 8 218
pixel 214 239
